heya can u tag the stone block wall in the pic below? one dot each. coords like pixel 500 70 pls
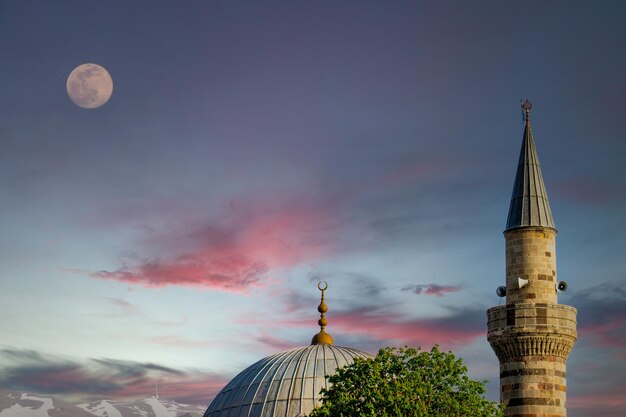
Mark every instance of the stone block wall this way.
pixel 531 255
pixel 532 342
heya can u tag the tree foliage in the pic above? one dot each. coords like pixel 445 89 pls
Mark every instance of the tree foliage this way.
pixel 406 382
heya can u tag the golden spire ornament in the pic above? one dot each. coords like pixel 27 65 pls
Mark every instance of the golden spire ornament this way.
pixel 322 338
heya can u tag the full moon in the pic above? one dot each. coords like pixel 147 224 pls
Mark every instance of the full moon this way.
pixel 89 86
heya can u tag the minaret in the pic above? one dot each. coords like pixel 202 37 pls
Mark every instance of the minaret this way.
pixel 532 334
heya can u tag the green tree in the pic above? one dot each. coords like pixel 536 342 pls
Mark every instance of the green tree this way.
pixel 406 383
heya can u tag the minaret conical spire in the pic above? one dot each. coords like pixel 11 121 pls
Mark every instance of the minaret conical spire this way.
pixel 322 338
pixel 529 201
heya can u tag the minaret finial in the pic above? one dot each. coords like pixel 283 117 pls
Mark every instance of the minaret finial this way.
pixel 526 108
pixel 322 338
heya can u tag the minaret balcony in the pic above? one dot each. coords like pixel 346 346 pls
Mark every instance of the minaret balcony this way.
pixel 533 329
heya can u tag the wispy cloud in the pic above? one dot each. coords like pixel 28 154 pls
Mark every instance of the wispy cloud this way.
pixel 274 344
pixel 25 370
pixel 123 307
pixel 459 327
pixel 182 342
pixel 602 316
pixel 432 289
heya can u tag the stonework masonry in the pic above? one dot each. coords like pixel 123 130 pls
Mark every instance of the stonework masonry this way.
pixel 530 254
pixel 532 335
pixel 532 342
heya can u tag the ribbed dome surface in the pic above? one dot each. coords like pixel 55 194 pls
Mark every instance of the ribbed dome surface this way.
pixel 283 385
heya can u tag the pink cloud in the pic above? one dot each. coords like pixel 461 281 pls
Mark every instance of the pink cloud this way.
pixel 381 328
pixel 234 273
pixel 237 253
pixel 445 331
pixel 432 289
pixel 607 334
pixel 199 389
pixel 607 403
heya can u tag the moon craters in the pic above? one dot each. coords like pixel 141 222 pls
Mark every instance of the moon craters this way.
pixel 89 86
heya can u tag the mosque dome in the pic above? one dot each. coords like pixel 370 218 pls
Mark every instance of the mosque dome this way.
pixel 286 384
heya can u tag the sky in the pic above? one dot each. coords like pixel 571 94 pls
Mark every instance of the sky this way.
pixel 251 149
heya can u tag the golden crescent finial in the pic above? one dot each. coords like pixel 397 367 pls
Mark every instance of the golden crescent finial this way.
pixel 322 338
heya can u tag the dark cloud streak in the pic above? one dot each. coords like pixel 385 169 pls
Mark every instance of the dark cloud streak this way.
pixel 432 289
pixel 602 316
pixel 95 379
